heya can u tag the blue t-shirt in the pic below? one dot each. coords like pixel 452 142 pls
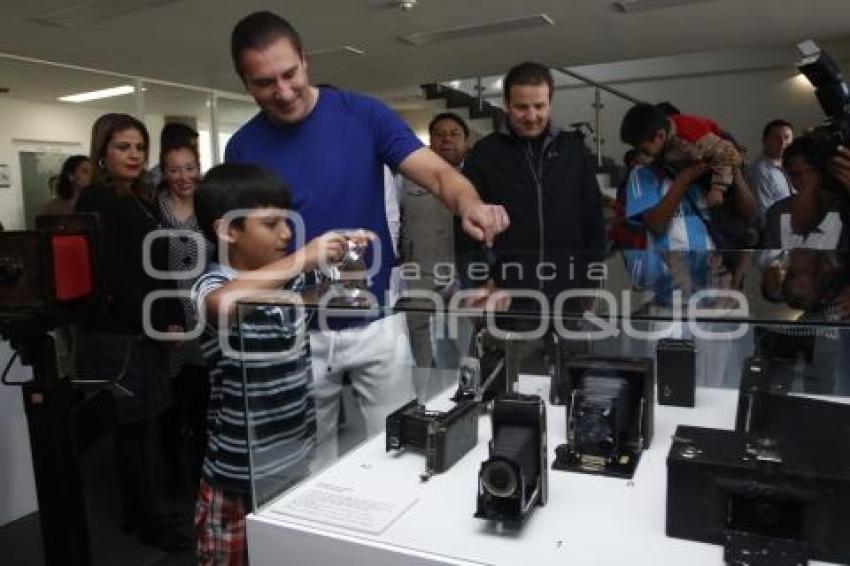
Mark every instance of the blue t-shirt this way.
pixel 686 231
pixel 333 162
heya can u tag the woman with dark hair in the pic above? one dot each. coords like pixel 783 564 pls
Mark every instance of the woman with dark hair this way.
pixel 115 340
pixel 179 165
pixel 76 175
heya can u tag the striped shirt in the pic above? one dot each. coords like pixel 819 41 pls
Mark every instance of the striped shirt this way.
pixel 646 188
pixel 276 393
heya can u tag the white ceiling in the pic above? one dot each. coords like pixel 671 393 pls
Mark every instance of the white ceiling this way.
pixel 186 41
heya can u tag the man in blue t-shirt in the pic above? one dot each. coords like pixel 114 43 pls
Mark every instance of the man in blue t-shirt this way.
pixel 330 146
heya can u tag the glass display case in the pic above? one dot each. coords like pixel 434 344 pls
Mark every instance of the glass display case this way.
pixel 569 417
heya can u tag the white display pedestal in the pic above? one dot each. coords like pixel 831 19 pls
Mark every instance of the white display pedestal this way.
pixel 588 520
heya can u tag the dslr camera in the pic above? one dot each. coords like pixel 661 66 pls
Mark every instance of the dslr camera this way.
pixel 514 479
pixel 833 95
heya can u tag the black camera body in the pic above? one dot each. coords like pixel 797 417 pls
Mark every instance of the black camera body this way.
pixel 514 479
pixel 483 375
pixel 768 501
pixel 562 351
pixel 833 94
pixel 49 270
pixel 676 363
pixel 766 408
pixel 610 406
pixel 445 437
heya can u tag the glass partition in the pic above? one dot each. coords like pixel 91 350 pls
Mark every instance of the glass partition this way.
pixel 232 113
pixel 165 103
pixel 725 309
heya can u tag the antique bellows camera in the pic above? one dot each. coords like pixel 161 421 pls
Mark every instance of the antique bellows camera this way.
pixel 445 437
pixel 514 479
pixel 609 410
pixel 775 490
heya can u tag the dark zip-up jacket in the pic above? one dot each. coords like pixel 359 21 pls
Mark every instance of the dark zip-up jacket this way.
pixel 553 201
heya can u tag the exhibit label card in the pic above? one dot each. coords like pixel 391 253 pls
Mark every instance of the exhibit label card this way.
pixel 344 507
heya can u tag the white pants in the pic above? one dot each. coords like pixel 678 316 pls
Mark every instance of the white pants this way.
pixel 378 361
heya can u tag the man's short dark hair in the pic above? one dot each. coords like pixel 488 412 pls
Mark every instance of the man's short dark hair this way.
pixel 777 123
pixel 176 131
pixel 258 31
pixel 233 186
pixel 641 123
pixel 448 116
pixel 529 74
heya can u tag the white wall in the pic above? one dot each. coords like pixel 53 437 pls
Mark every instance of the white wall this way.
pixel 740 102
pixel 22 120
pixel 17 484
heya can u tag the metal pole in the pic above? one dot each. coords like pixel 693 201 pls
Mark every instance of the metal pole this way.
pixel 597 124
pixel 139 100
pixel 597 84
pixel 214 145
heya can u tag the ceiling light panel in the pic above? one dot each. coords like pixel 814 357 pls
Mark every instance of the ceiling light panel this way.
pixel 478 30
pixel 342 50
pixel 98 94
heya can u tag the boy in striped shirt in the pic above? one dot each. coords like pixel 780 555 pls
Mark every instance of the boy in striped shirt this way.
pixel 243 209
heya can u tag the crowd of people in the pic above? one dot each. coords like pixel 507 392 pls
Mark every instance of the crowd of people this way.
pixel 526 193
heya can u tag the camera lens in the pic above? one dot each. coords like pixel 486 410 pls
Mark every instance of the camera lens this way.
pixel 499 478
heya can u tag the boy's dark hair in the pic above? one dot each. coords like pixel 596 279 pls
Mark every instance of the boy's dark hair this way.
pixel 176 131
pixel 258 31
pixel 668 108
pixel 448 116
pixel 779 122
pixel 528 74
pixel 641 123
pixel 232 186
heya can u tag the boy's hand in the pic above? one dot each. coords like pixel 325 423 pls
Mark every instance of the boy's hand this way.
pixel 325 249
pixel 731 156
pixel 693 172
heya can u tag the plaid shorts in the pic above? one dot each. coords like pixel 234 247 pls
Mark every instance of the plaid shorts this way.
pixel 220 527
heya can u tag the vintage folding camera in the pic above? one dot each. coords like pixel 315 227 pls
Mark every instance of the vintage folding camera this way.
pixel 445 437
pixel 514 479
pixel 483 375
pixel 768 500
pixel 610 402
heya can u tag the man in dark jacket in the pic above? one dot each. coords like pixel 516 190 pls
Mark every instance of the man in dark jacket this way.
pixel 546 180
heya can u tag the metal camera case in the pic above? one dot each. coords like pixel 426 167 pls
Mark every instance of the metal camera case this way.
pixel 445 437
pixel 768 501
pixel 517 410
pixel 573 457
